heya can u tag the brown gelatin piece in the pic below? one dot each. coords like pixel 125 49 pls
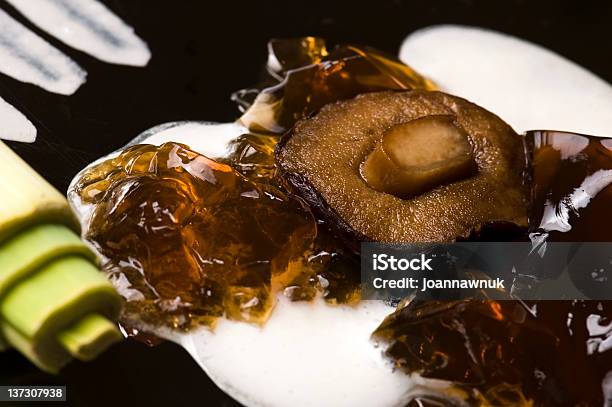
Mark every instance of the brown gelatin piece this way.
pixel 329 270
pixel 189 239
pixel 417 156
pixel 562 163
pixel 321 158
pixel 252 155
pixel 504 353
pixel 306 76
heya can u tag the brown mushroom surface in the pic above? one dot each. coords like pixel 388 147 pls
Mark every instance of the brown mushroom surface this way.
pixel 419 191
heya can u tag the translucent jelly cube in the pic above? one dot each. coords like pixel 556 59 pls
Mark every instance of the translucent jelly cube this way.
pixel 188 239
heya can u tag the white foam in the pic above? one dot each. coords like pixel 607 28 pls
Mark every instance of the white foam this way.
pixel 528 86
pixel 28 58
pixel 89 26
pixel 14 125
pixel 207 138
pixel 307 354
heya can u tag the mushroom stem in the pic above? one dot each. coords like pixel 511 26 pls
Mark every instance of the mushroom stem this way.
pixel 414 157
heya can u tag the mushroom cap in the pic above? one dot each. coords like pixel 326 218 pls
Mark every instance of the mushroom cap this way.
pixel 320 159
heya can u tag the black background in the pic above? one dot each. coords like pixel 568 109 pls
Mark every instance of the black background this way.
pixel 203 51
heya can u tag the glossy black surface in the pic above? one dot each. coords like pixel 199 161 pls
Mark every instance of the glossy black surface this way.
pixel 203 51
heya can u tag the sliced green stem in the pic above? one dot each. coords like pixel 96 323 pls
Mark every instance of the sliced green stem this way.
pixel 30 249
pixel 59 295
pixel 89 337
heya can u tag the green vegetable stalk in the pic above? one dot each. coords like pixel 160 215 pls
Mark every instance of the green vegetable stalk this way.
pixel 55 305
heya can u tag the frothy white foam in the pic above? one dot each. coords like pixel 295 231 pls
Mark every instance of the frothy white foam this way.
pixel 528 86
pixel 207 138
pixel 89 26
pixel 14 125
pixel 307 354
